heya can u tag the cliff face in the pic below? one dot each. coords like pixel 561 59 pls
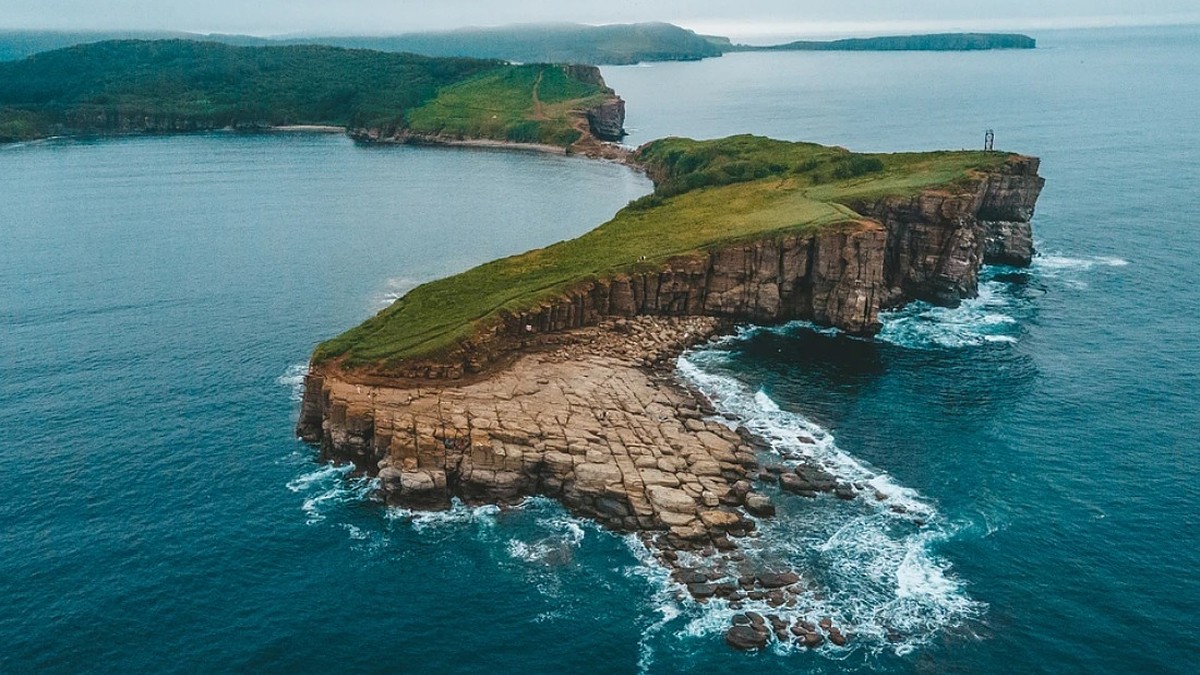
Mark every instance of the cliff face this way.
pixel 929 246
pixel 119 122
pixel 607 120
pixel 926 247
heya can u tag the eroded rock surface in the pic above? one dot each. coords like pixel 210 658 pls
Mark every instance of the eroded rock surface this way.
pixel 585 422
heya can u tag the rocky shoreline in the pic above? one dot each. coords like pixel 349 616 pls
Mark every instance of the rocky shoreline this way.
pixel 595 419
pixel 577 399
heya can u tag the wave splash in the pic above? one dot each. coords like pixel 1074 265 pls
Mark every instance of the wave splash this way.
pixel 1068 269
pixel 330 487
pixel 986 319
pixel 396 288
pixel 873 559
pixel 293 379
pixel 995 315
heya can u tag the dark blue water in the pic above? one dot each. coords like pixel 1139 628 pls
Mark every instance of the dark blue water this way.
pixel 158 296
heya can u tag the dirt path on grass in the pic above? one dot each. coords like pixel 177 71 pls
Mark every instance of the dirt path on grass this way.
pixel 538 112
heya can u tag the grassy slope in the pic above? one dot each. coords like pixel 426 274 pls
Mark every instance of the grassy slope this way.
pixel 747 187
pixel 206 85
pixel 500 105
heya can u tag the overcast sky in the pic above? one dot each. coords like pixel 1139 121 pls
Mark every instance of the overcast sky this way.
pixel 737 18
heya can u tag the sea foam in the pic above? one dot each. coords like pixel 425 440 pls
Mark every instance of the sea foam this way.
pixel 293 379
pixel 985 319
pixel 873 560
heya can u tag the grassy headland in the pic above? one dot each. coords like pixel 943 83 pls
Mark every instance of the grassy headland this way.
pixel 708 194
pixel 521 104
pixel 181 85
pixel 526 43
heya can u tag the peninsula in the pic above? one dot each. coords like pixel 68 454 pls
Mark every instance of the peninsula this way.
pixel 551 372
pixel 938 42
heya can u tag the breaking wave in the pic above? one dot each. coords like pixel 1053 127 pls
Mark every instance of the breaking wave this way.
pixel 873 559
pixel 1068 269
pixel 457 515
pixel 985 319
pixel 293 379
pixel 329 487
pixel 396 288
pixel 557 548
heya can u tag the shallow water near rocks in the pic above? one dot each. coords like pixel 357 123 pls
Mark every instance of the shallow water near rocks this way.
pixel 159 296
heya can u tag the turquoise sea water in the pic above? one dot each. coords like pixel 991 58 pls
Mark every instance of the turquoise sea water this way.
pixel 158 297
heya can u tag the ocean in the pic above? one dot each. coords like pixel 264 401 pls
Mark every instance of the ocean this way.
pixel 159 297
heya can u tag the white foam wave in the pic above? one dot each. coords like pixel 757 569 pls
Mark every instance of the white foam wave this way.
pixel 555 549
pixel 873 558
pixel 1052 262
pixel 978 321
pixel 666 600
pixel 327 487
pixel 1067 269
pixel 457 515
pixel 293 379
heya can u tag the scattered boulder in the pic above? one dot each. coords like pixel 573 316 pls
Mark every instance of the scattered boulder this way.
pixel 745 638
pixel 759 505
pixel 777 579
pixel 792 483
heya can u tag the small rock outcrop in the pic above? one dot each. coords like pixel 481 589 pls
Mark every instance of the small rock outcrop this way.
pixel 607 120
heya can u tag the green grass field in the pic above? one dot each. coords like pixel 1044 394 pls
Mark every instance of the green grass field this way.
pixel 708 194
pixel 521 104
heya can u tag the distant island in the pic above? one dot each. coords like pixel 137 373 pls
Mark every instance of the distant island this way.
pixel 167 86
pixel 940 42
pixel 615 44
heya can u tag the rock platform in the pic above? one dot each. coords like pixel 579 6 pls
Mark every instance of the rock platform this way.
pixel 597 420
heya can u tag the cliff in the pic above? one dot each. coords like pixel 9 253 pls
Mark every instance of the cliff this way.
pixel 890 250
pixel 929 246
pixel 573 396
